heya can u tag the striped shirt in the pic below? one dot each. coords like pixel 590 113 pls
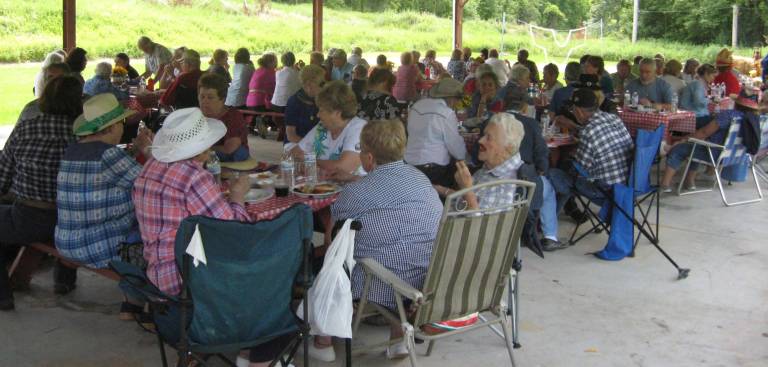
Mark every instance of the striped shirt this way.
pixel 29 162
pixel 400 213
pixel 166 193
pixel 95 211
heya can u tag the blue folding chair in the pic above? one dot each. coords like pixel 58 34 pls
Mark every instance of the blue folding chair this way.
pixel 731 155
pixel 762 153
pixel 623 202
pixel 242 297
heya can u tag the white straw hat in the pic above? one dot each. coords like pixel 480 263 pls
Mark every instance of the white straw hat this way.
pixel 185 134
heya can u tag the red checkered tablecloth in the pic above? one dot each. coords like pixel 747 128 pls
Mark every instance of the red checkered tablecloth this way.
pixel 681 121
pixel 273 206
pixel 725 104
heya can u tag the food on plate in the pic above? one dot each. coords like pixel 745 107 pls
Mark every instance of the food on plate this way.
pixel 317 189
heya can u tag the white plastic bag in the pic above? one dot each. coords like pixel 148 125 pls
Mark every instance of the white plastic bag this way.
pixel 330 297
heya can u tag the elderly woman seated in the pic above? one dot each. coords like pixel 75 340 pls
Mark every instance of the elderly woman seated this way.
pixel 183 91
pixel 101 83
pixel 335 141
pixel 378 103
pixel 301 111
pixel 89 229
pixel 219 64
pixel 341 70
pixel 211 91
pixel 241 76
pixel 499 151
pixel 399 223
pixel 174 185
pixel 486 100
pixel 433 133
pixel 519 77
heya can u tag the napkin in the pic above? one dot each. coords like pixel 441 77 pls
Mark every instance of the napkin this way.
pixel 195 248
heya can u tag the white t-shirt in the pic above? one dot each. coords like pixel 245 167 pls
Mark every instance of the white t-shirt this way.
pixel 287 83
pixel 319 140
pixel 433 134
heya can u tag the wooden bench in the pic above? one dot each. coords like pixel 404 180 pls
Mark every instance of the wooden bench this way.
pixel 51 250
pixel 279 118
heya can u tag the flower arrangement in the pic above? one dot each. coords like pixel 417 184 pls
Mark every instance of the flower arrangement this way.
pixel 119 71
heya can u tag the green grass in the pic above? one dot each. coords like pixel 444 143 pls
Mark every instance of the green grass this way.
pixel 17 81
pixel 29 29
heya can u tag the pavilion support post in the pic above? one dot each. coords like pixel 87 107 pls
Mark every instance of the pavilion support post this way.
pixel 635 19
pixel 317 25
pixel 735 27
pixel 69 15
pixel 458 22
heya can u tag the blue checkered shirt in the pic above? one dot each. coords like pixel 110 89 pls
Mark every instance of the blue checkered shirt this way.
pixel 605 148
pixel 501 195
pixel 400 213
pixel 95 210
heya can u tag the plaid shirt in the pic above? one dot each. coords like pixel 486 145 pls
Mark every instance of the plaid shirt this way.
pixel 604 148
pixel 95 211
pixel 30 161
pixel 166 193
pixel 499 195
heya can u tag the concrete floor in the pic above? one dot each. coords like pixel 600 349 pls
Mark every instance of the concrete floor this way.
pixel 576 310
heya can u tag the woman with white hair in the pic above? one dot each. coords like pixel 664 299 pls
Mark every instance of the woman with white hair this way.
pixel 101 83
pixel 55 57
pixel 500 152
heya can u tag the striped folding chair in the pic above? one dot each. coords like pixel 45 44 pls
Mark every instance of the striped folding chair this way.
pixel 471 271
pixel 732 153
pixel 762 155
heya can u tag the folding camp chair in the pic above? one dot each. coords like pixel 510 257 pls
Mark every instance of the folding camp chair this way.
pixel 241 297
pixel 732 154
pixel 762 154
pixel 644 196
pixel 470 270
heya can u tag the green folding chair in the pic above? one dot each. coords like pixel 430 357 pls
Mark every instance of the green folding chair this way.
pixel 471 270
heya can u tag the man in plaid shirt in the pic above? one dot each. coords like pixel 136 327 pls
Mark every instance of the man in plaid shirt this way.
pixel 29 164
pixel 603 153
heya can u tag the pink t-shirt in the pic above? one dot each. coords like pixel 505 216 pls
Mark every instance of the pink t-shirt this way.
pixel 261 88
pixel 405 84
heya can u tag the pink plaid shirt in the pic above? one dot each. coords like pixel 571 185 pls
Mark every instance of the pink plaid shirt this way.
pixel 166 193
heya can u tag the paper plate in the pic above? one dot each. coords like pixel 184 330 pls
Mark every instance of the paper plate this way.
pixel 298 190
pixel 258 195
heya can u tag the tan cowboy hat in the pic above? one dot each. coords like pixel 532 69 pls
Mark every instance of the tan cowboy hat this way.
pixel 185 134
pixel 448 87
pixel 100 112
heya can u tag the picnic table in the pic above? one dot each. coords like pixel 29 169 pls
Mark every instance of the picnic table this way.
pixel 272 207
pixel 680 121
pixel 725 104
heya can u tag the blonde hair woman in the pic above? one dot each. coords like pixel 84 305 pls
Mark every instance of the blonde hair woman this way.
pixel 219 64
pixel 301 111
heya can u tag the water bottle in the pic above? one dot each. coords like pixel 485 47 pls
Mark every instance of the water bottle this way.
pixel 635 99
pixel 214 166
pixel 310 168
pixel 544 123
pixel 286 172
pixel 673 109
pixel 627 99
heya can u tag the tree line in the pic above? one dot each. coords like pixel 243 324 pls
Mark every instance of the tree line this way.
pixel 697 22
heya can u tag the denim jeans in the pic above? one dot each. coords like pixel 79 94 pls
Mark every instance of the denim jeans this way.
pixel 565 185
pixel 680 153
pixel 22 225
pixel 239 155
pixel 548 210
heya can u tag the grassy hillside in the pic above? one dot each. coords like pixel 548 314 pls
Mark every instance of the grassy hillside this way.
pixel 30 29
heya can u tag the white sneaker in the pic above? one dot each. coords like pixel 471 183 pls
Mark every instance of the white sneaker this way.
pixel 244 362
pixel 398 351
pixel 321 354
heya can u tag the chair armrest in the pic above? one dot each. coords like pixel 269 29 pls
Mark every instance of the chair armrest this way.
pixel 705 143
pixel 372 267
